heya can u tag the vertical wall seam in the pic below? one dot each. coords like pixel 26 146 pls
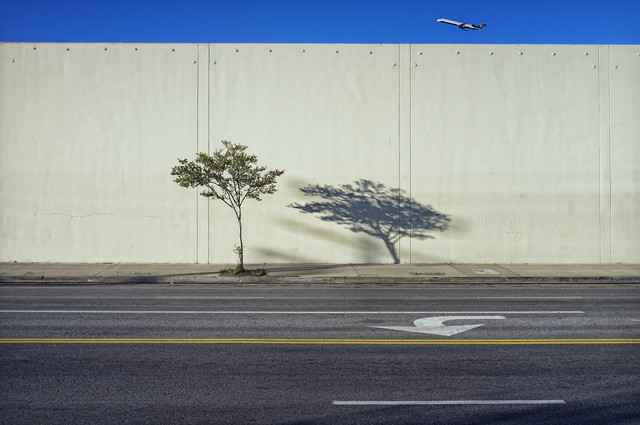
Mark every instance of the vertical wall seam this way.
pixel 197 146
pixel 405 210
pixel 202 145
pixel 610 241
pixel 600 218
pixel 399 70
pixel 604 158
pixel 208 148
pixel 410 154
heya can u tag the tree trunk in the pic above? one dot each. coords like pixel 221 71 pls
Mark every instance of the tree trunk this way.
pixel 241 250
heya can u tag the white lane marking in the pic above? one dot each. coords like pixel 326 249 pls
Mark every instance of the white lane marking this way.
pixel 159 297
pixel 529 298
pixel 277 312
pixel 223 298
pixel 231 297
pixel 345 298
pixel 436 326
pixel 438 402
pixel 54 298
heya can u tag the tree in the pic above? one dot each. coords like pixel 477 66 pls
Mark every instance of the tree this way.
pixel 231 175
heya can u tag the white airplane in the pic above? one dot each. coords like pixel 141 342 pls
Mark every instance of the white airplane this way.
pixel 465 26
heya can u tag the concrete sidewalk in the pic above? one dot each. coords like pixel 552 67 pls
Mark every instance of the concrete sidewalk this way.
pixel 68 273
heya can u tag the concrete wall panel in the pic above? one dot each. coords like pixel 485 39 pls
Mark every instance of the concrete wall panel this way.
pixel 505 139
pixel 624 69
pixel 88 135
pixel 328 115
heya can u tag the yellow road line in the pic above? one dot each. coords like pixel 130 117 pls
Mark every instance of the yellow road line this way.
pixel 313 341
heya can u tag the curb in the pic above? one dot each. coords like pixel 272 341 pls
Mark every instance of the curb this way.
pixel 293 280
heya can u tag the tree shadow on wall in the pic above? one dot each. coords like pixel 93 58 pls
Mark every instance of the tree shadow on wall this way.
pixel 375 209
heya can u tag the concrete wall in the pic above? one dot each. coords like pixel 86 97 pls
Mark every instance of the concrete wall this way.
pixel 424 153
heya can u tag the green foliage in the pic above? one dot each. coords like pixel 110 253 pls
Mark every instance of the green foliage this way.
pixel 230 175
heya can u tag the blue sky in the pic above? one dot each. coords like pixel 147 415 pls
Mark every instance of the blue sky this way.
pixel 320 21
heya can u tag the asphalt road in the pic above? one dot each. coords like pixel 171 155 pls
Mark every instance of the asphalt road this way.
pixel 319 354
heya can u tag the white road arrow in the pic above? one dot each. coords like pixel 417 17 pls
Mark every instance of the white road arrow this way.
pixel 436 326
